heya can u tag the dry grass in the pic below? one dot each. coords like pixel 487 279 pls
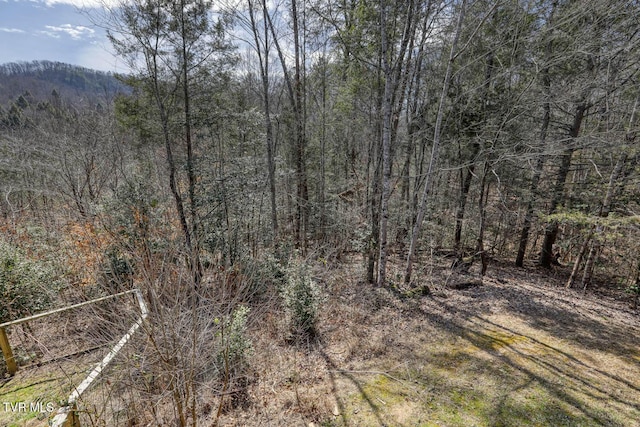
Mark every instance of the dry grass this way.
pixel 55 354
pixel 519 350
pixel 47 384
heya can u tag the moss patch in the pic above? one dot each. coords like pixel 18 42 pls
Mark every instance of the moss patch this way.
pixel 27 398
pixel 489 377
pixel 496 340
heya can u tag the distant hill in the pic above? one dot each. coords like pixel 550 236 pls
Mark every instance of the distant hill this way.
pixel 74 84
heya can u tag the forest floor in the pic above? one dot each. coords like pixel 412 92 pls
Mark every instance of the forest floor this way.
pixel 54 355
pixel 518 350
pixel 32 397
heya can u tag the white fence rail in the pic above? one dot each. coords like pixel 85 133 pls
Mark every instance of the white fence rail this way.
pixel 67 416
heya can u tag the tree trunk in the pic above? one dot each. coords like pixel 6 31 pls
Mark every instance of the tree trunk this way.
pixel 578 261
pixel 465 180
pixel 435 151
pixel 295 90
pixel 551 230
pixel 171 164
pixel 374 237
pixel 413 116
pixel 387 107
pixel 262 50
pixel 535 181
pixel 396 74
pixel 591 259
pixel 194 255
pixel 482 208
pixel 605 208
pixel 323 149
pixel 302 203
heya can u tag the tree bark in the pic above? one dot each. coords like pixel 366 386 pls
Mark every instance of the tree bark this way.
pixel 537 173
pixel 435 151
pixel 465 180
pixel 482 208
pixel 262 49
pixel 389 87
pixel 295 90
pixel 396 73
pixel 194 255
pixel 593 239
pixel 578 261
pixel 551 230
pixel 302 214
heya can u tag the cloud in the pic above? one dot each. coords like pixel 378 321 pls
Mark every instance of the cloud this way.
pixel 82 3
pixel 11 30
pixel 74 31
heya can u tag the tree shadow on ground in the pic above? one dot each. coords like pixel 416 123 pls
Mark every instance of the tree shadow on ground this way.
pixel 562 374
pixel 525 378
pixel 335 372
pixel 592 321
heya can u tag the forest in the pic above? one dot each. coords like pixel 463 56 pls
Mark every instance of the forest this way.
pixel 339 212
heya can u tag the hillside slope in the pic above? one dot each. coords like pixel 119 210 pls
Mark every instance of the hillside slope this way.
pixel 40 78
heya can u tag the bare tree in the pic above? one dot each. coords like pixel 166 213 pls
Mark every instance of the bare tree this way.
pixel 262 47
pixel 435 150
pixel 169 44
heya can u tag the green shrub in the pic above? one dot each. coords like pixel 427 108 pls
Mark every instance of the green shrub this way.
pixel 634 290
pixel 117 270
pixel 260 277
pixel 26 286
pixel 235 346
pixel 268 270
pixel 302 298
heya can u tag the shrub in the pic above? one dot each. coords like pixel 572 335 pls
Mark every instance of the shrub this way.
pixel 268 269
pixel 634 290
pixel 26 286
pixel 259 277
pixel 117 270
pixel 302 298
pixel 235 347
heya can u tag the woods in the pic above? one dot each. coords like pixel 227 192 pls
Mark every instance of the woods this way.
pixel 252 140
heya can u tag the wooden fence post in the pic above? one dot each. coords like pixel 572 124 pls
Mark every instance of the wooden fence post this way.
pixel 67 416
pixel 73 420
pixel 8 354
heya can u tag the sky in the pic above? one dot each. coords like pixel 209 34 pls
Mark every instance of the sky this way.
pixel 54 30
